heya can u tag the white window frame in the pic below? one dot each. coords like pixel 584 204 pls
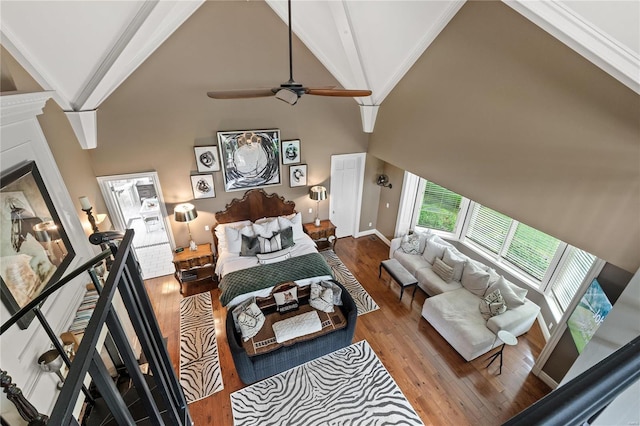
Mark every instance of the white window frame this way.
pixel 460 219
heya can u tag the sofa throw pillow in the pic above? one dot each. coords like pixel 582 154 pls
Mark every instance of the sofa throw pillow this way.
pixel 274 257
pixel 492 304
pixel 410 244
pixel 286 300
pixel 432 251
pixel 268 245
pixel 321 298
pixel 474 279
pixel 250 246
pixel 248 318
pixel 456 262
pixel 442 270
pixel 512 294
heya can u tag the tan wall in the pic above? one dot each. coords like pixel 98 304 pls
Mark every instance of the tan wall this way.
pixel 153 120
pixel 371 194
pixel 388 216
pixel 501 112
pixel 73 162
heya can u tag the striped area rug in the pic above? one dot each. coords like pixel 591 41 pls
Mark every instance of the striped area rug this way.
pixel 363 300
pixel 347 387
pixel 200 374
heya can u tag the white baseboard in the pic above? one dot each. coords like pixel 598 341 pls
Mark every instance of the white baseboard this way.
pixel 373 232
pixel 545 378
pixel 543 327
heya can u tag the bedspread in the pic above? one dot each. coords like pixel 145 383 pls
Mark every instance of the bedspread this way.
pixel 258 277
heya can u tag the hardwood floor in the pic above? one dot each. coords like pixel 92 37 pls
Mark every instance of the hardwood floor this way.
pixel 441 386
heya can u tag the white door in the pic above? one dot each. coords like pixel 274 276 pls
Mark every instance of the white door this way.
pixel 347 174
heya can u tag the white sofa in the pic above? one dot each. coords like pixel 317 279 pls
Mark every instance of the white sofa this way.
pixel 453 309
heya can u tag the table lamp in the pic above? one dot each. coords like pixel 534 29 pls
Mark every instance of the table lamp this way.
pixel 318 193
pixel 186 213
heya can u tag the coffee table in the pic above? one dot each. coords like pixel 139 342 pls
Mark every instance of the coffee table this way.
pixel 507 339
pixel 400 275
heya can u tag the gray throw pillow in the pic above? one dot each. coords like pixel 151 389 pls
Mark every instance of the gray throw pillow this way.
pixel 411 244
pixel 337 291
pixel 286 237
pixel 492 304
pixel 250 246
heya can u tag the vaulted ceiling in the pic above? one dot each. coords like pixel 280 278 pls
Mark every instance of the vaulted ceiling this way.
pixel 83 50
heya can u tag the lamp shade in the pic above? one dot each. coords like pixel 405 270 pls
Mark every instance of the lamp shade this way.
pixel 318 193
pixel 46 231
pixel 185 212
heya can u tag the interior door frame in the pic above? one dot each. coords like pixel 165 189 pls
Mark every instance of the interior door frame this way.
pixel 361 158
pixel 114 211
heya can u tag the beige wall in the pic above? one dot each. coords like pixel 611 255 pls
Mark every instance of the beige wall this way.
pixel 503 113
pixel 73 162
pixel 154 119
pixel 388 216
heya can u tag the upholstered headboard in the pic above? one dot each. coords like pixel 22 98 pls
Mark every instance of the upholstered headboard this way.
pixel 255 205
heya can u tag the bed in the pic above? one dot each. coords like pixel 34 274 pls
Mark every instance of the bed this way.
pixel 243 277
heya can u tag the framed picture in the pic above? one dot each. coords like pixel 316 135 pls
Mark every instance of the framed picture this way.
pixel 250 159
pixel 291 152
pixel 298 175
pixel 202 186
pixel 34 247
pixel 207 158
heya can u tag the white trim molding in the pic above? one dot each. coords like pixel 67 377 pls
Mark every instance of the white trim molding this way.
pixel 18 106
pixel 85 126
pixel 584 38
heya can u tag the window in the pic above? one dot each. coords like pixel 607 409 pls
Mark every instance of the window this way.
pixel 574 268
pixel 439 208
pixel 527 249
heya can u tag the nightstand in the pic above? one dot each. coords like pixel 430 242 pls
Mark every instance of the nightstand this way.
pixel 323 235
pixel 195 269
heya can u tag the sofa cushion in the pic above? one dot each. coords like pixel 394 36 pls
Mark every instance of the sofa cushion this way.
pixel 433 250
pixel 492 304
pixel 474 279
pixel 443 270
pixel 511 293
pixel 411 262
pixel 455 315
pixel 432 284
pixel 456 261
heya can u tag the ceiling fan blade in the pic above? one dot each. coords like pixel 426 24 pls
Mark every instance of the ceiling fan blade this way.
pixel 241 94
pixel 351 93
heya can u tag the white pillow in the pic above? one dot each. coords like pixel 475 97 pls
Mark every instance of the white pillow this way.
pixel 234 237
pixel 221 234
pixel 443 270
pixel 264 220
pixel 475 279
pixel 269 245
pixel 266 229
pixel 274 257
pixel 250 320
pixel 410 244
pixel 456 262
pixel 433 250
pixel 437 239
pixel 511 293
pixel 295 222
pixel 321 298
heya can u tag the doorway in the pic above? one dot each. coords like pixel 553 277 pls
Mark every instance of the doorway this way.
pixel 347 175
pixel 134 201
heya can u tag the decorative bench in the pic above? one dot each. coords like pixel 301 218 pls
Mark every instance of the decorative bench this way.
pixel 255 362
pixel 400 275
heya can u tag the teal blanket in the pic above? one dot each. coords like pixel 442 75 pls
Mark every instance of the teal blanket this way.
pixel 263 276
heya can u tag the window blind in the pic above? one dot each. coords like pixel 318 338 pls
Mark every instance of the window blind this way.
pixel 531 250
pixel 439 208
pixel 488 228
pixel 571 275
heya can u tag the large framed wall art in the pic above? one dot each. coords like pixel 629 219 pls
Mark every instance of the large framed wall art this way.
pixel 250 159
pixel 34 247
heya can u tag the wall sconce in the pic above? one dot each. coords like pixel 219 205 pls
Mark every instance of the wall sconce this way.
pixel 318 193
pixel 51 362
pixel 383 180
pixel 186 213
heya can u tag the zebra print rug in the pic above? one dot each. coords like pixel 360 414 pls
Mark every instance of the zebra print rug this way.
pixel 363 300
pixel 347 387
pixel 200 374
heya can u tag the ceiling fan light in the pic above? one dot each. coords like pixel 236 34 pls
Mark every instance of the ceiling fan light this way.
pixel 287 95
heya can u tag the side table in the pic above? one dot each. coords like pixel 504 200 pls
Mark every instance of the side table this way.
pixel 324 235
pixel 507 339
pixel 195 269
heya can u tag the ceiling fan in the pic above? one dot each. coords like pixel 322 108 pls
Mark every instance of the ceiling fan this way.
pixel 290 91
